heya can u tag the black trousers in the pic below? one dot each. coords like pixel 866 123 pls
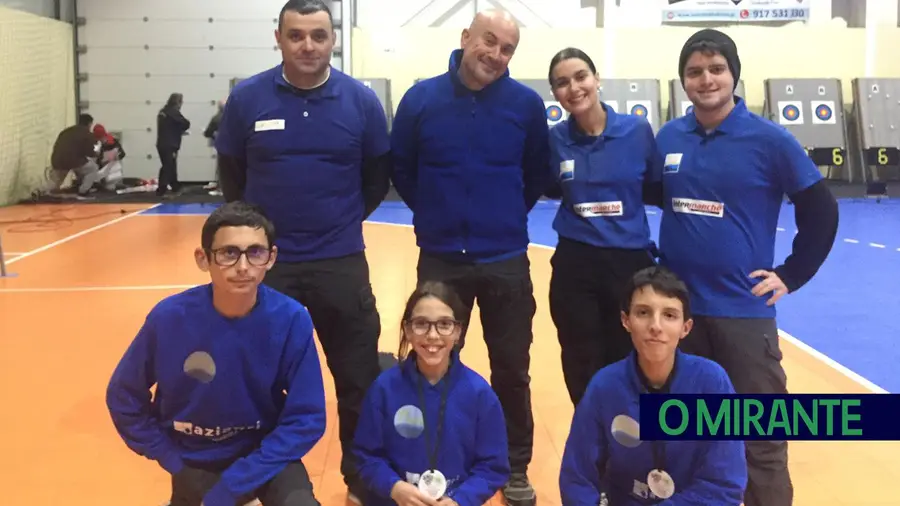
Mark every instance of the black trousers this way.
pixel 587 288
pixel 168 170
pixel 749 351
pixel 339 297
pixel 505 298
pixel 290 487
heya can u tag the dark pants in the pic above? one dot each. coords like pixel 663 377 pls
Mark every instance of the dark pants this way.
pixel 506 299
pixel 290 487
pixel 748 349
pixel 339 297
pixel 168 170
pixel 586 291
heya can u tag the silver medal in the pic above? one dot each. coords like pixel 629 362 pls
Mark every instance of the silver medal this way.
pixel 661 484
pixel 433 484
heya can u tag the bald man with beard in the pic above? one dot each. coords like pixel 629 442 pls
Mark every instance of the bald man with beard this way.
pixel 470 152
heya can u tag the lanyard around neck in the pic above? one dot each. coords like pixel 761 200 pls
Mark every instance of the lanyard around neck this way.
pixel 433 453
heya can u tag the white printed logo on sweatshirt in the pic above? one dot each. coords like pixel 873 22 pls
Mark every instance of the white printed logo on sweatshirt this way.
pixel 699 207
pixel 409 422
pixel 216 434
pixel 200 366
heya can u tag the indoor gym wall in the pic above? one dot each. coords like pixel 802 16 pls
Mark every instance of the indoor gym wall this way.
pixel 37 80
pixel 405 54
pixel 134 54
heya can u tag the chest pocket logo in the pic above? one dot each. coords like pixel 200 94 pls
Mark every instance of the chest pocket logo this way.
pixel 567 170
pixel 672 163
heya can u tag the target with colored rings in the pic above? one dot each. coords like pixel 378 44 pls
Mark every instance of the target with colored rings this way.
pixel 790 112
pixel 554 112
pixel 823 112
pixel 639 110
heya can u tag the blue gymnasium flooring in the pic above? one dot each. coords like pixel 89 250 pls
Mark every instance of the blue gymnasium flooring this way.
pixel 848 312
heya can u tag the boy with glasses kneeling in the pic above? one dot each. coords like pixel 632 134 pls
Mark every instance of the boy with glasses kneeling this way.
pixel 239 395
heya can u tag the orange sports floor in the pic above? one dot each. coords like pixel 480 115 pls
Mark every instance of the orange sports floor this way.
pixel 88 274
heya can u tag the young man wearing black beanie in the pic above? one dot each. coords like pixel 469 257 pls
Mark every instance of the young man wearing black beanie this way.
pixel 725 174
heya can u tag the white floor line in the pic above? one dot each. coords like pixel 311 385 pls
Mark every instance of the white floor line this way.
pixel 793 340
pixel 79 234
pixel 96 288
pixel 12 254
pixel 832 363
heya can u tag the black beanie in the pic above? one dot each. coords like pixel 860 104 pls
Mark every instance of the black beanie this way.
pixel 723 44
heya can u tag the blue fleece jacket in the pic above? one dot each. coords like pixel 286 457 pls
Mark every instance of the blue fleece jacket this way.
pixel 594 463
pixel 391 444
pixel 470 164
pixel 245 391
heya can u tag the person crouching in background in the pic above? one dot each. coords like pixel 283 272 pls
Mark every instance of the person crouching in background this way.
pixel 109 159
pixel 431 431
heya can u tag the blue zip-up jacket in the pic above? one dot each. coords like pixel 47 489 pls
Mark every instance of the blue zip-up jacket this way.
pixel 391 444
pixel 220 389
pixel 470 164
pixel 704 472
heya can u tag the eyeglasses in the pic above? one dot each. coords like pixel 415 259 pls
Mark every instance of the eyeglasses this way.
pixel 444 327
pixel 230 255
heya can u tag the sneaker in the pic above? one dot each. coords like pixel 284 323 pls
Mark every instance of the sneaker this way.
pixel 518 491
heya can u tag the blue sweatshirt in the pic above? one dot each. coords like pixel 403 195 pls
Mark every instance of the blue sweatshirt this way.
pixel 470 164
pixel 391 444
pixel 248 389
pixel 704 472
pixel 602 180
pixel 723 192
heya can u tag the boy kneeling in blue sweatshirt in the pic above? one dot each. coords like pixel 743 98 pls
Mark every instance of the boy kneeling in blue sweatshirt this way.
pixel 604 461
pixel 432 431
pixel 239 395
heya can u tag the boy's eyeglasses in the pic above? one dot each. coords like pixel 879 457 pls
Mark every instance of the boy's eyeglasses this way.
pixel 230 255
pixel 444 327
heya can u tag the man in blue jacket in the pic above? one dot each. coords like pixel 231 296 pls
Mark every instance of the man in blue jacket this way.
pixel 725 174
pixel 309 144
pixel 470 151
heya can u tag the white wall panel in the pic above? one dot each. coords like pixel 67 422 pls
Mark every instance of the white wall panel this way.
pixel 137 53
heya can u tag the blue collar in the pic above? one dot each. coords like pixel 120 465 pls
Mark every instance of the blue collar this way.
pixel 453 70
pixel 329 89
pixel 728 126
pixel 635 375
pixel 614 128
pixel 411 371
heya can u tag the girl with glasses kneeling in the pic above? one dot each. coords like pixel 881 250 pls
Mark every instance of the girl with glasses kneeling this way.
pixel 431 431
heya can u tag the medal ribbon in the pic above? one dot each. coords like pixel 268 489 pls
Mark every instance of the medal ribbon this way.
pixel 433 454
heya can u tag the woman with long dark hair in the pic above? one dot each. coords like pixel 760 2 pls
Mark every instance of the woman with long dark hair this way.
pixel 602 161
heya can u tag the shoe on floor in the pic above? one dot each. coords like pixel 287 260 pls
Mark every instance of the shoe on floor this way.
pixel 518 491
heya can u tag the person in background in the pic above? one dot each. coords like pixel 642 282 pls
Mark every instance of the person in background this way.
pixel 309 144
pixel 239 397
pixel 602 162
pixel 109 159
pixel 604 460
pixel 470 150
pixel 726 172
pixel 432 430
pixel 210 133
pixel 75 150
pixel 171 126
